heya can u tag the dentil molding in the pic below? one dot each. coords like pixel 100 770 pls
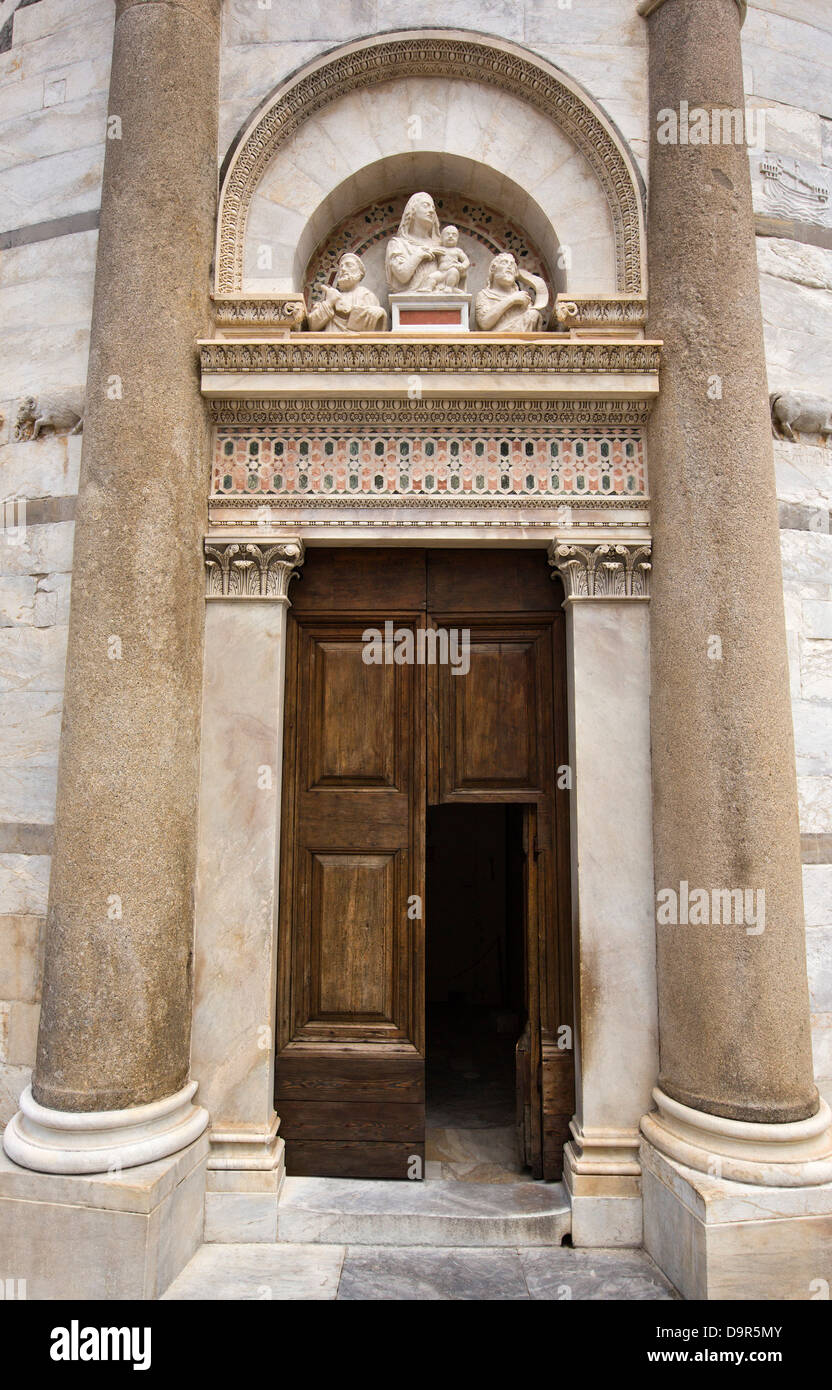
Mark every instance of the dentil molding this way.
pixel 608 570
pixel 248 570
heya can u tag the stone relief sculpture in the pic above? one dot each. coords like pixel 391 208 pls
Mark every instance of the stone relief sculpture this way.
pixel 504 306
pixel 413 254
pixel 452 264
pixel 37 413
pixel 347 307
pixel 793 411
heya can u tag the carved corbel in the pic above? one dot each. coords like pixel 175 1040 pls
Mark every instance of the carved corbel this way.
pixel 251 569
pixel 614 569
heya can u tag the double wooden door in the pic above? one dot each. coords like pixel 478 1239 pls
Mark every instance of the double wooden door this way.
pixel 375 731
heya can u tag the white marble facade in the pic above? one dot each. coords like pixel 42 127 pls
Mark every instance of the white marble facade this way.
pixel 53 100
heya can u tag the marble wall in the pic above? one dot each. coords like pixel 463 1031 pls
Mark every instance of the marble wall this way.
pixel 53 94
pixel 787 48
pixel 54 77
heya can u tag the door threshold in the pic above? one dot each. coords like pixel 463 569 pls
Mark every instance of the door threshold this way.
pixel 443 1212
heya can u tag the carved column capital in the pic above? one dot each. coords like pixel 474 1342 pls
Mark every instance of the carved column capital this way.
pixel 251 569
pixel 606 570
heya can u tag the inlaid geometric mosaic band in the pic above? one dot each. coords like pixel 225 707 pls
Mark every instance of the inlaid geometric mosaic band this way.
pixel 549 463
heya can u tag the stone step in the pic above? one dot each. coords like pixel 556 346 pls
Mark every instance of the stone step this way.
pixel 355 1211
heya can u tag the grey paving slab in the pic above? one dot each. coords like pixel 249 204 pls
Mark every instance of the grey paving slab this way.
pixel 231 1273
pixel 427 1274
pixel 594 1275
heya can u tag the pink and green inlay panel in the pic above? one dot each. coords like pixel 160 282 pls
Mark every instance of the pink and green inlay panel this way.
pixel 553 463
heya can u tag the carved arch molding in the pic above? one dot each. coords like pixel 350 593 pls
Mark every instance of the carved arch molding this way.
pixel 435 54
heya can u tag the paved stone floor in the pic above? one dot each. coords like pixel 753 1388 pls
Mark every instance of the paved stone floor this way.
pixel 417 1273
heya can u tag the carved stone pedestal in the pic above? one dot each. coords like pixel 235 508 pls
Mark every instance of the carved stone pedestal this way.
pixel 421 312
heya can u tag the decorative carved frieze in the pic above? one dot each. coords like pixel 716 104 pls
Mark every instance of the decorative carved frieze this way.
pixel 246 569
pixel 473 355
pixel 616 569
pixel 281 312
pixel 405 413
pixel 432 55
pixel 619 311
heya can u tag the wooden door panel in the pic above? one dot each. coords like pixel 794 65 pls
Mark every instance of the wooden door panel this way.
pixel 370 1121
pixel 377 1075
pixel 354 741
pixel 352 935
pixel 346 1158
pixel 492 738
pixel 495 738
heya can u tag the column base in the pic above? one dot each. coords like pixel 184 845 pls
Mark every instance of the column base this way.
pixel 118 1236
pixel 798 1154
pixel 602 1175
pixel 102 1141
pixel 716 1239
pixel 245 1176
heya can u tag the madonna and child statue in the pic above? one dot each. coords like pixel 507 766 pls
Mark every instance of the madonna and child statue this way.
pixel 427 274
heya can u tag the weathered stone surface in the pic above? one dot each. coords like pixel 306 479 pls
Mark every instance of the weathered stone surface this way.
pixel 817 896
pixel 822 1044
pixel 819 963
pixel 44 550
pixel 789 130
pixel 27 793
pixel 24 881
pixel 13 1080
pixel 733 1008
pixel 788 61
pixel 17 600
pixel 817 618
pixel 18 1032
pixel 804 474
pixel 806 558
pixel 816 669
pixel 30 727
pixel 20 958
pixel 119 935
pixel 812 738
pixel 798 330
pixel 253 1272
pixel 792 260
pixel 815 802
pixel 32 658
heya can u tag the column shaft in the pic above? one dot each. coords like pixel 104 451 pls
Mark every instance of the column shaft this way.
pixel 115 1026
pixel 733 1002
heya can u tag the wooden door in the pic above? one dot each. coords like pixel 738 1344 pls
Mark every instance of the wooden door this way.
pixel 350 1058
pixel 499 734
pixel 361 742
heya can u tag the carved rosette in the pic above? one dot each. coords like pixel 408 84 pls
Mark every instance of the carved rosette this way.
pixel 250 570
pixel 619 570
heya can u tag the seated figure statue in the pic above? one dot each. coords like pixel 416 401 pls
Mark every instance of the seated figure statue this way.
pixel 503 307
pixel 412 254
pixel 347 307
pixel 452 264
